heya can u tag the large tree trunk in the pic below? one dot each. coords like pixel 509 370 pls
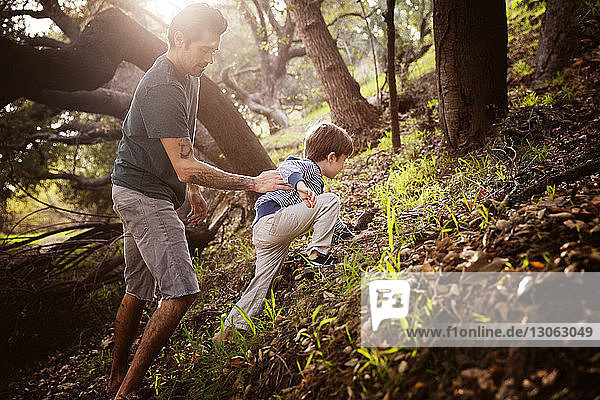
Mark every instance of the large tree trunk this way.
pixel 470 55
pixel 558 38
pixel 348 107
pixel 110 38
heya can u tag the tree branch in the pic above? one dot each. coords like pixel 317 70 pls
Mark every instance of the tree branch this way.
pixel 107 40
pixel 86 66
pixel 350 14
pixel 62 20
pixel 274 23
pixel 42 41
pixel 80 181
pixel 86 135
pixel 99 101
pixel 31 13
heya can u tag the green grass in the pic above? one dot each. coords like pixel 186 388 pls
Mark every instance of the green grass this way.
pixel 416 70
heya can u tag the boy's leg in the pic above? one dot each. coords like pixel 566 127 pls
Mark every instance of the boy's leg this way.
pixel 271 251
pixel 323 222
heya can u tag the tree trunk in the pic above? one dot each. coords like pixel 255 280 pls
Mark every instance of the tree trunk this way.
pixel 470 55
pixel 349 108
pixel 391 73
pixel 558 38
pixel 240 145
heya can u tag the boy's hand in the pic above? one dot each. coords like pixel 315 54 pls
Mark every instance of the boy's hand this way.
pixel 308 196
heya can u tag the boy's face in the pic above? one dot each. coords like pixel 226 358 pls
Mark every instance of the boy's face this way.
pixel 333 165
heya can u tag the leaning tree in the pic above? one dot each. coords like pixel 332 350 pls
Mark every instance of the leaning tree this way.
pixel 470 55
pixel 348 107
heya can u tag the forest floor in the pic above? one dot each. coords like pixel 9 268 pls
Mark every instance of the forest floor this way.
pixel 528 201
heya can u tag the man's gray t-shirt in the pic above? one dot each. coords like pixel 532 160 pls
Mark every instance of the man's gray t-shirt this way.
pixel 164 105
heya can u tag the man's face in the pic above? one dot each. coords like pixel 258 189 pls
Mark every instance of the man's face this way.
pixel 195 56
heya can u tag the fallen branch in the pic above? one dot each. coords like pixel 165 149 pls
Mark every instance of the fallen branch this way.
pixel 570 175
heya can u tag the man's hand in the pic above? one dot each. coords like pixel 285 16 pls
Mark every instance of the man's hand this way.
pixel 269 181
pixel 308 196
pixel 199 206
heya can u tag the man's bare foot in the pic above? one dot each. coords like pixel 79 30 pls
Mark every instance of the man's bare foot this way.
pixel 114 382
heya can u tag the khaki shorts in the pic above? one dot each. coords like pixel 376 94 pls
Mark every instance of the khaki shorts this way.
pixel 157 258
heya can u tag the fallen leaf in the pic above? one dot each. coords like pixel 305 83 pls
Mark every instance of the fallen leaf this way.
pixel 238 362
pixel 537 264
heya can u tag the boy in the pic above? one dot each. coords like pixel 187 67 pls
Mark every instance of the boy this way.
pixel 282 216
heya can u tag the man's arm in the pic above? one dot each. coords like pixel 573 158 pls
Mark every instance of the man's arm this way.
pixel 190 170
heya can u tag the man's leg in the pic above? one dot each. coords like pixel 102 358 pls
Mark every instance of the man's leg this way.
pixel 126 324
pixel 160 327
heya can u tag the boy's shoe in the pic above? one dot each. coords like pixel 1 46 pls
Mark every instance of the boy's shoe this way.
pixel 321 261
pixel 311 267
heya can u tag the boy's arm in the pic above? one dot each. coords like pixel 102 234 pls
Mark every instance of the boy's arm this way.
pixel 291 173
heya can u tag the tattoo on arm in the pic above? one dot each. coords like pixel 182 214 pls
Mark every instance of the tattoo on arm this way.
pixel 221 180
pixel 185 149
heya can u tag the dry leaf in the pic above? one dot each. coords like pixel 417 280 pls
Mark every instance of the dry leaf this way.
pixel 537 264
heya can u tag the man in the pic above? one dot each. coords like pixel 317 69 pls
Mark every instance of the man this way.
pixel 154 165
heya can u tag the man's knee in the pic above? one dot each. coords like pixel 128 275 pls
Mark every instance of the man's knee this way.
pixel 184 301
pixel 190 298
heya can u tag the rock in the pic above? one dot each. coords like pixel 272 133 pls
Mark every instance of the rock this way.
pixel 402 367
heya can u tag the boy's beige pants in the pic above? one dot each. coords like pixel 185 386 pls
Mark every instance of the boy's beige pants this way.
pixel 272 235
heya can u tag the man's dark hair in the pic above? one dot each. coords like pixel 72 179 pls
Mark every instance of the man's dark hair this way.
pixel 326 138
pixel 194 20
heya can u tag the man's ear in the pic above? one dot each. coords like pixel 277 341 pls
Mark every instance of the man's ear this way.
pixel 178 39
pixel 331 157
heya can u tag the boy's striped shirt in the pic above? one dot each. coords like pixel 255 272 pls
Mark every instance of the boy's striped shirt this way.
pixel 292 171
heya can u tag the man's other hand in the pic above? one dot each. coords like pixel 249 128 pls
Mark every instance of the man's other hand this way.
pixel 199 207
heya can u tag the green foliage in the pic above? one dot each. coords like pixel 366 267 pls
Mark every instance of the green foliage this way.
pixel 532 99
pixel 593 6
pixel 521 68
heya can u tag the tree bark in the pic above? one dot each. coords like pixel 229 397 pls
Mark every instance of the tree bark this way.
pixel 470 54
pixel 391 73
pixel 239 144
pixel 110 38
pixel 558 38
pixel 349 108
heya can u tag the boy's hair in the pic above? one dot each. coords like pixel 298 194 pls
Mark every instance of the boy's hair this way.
pixel 194 20
pixel 326 138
